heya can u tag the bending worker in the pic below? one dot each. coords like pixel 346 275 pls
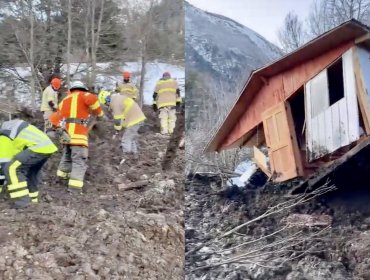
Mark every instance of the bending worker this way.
pixel 32 149
pixel 127 117
pixel 73 116
pixel 167 100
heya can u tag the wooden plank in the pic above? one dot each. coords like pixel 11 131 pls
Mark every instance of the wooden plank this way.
pixel 336 126
pixel 319 93
pixel 349 83
pixel 261 161
pixel 308 119
pixel 329 130
pixel 323 149
pixel 344 122
pixel 363 38
pixel 361 91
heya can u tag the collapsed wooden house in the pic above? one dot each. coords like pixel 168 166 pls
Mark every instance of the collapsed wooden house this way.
pixel 311 108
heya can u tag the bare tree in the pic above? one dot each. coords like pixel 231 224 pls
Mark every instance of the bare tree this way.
pixel 69 41
pixel 292 34
pixel 326 14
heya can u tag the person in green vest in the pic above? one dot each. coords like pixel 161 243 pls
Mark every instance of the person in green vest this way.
pixel 32 149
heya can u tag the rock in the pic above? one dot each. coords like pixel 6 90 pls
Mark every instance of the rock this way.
pixel 20 252
pixel 46 260
pixel 314 268
pixel 122 187
pixel 97 262
pixel 144 177
pixel 102 215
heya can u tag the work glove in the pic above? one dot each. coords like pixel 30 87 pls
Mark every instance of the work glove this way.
pixel 178 106
pixel 155 108
pixel 102 118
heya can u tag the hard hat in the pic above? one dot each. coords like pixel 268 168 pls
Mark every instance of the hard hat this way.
pixel 166 75
pixel 56 83
pixel 126 75
pixel 103 96
pixel 78 85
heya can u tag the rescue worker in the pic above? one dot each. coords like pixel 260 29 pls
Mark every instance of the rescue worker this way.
pixel 127 87
pixel 127 117
pixel 49 103
pixel 32 149
pixel 73 116
pixel 167 100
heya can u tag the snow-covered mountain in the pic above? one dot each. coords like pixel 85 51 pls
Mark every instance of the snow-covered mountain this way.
pixel 222 47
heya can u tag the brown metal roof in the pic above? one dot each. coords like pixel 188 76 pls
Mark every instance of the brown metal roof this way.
pixel 347 31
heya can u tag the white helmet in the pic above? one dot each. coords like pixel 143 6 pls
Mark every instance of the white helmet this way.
pixel 78 85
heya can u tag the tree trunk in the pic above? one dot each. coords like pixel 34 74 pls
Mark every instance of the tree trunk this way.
pixel 93 52
pixel 69 41
pixel 33 74
pixel 95 40
pixel 142 73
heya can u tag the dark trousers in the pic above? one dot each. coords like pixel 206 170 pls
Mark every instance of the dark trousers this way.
pixel 23 176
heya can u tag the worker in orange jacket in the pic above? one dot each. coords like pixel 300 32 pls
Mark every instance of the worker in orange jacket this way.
pixel 73 116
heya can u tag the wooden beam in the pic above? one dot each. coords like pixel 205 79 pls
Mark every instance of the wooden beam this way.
pixel 361 92
pixel 363 38
pixel 261 161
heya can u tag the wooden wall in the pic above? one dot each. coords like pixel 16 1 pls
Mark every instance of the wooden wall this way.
pixel 279 88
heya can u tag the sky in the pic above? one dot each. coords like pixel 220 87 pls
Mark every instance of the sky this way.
pixel 263 16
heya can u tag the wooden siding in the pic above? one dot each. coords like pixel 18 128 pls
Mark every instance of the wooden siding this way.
pixel 331 127
pixel 279 88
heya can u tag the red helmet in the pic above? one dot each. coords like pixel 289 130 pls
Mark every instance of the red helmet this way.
pixel 166 75
pixel 56 83
pixel 126 75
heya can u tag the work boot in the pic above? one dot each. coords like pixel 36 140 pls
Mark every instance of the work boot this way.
pixel 22 202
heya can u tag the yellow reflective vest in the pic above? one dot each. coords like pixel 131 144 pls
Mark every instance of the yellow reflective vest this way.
pixel 126 112
pixel 166 93
pixel 128 89
pixel 7 149
pixel 27 136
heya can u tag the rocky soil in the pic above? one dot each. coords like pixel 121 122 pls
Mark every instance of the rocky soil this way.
pixel 341 253
pixel 128 223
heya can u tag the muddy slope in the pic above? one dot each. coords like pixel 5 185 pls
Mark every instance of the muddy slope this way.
pixel 343 253
pixel 109 232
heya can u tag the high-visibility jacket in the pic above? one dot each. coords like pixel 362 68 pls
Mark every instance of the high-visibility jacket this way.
pixel 126 112
pixel 166 93
pixel 128 89
pixel 49 94
pixel 75 110
pixel 7 149
pixel 27 136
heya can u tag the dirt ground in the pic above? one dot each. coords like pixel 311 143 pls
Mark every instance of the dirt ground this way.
pixel 110 231
pixel 343 253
